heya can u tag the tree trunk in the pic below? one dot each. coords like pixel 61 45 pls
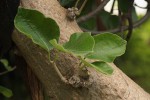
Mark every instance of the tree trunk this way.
pixel 98 87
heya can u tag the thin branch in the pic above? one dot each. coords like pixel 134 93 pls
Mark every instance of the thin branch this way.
pixel 59 73
pixel 129 18
pixel 124 28
pixel 94 12
pixel 120 21
pixel 80 10
pixel 140 6
pixel 130 28
pixel 76 3
pixel 112 8
pixel 5 72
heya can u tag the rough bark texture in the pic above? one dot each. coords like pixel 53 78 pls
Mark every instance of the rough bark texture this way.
pixel 115 87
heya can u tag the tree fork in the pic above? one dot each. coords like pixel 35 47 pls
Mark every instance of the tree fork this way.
pixel 115 87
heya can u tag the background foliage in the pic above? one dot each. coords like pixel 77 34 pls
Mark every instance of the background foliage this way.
pixel 136 61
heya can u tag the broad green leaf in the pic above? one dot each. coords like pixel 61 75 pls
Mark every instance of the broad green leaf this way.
pixel 102 67
pixel 80 43
pixel 107 47
pixel 6 92
pixel 99 66
pixel 6 64
pixel 58 46
pixel 36 26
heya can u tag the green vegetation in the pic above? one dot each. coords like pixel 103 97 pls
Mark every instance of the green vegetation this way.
pixel 103 47
pixel 136 61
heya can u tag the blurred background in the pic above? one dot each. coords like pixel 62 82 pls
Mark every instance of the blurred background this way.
pixel 115 15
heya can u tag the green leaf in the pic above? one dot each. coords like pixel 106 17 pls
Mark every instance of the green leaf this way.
pixel 6 64
pixel 36 26
pixel 103 67
pixel 99 66
pixel 80 44
pixel 6 92
pixel 107 47
pixel 58 46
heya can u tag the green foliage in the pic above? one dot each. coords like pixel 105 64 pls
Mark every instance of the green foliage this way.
pixel 135 62
pixel 80 43
pixel 124 5
pixel 110 21
pixel 58 46
pixel 36 26
pixel 6 65
pixel 6 92
pixel 102 67
pixel 105 47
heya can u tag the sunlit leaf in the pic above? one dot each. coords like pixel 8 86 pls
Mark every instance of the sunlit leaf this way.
pixel 99 66
pixel 107 47
pixel 36 26
pixel 6 64
pixel 80 43
pixel 103 67
pixel 5 91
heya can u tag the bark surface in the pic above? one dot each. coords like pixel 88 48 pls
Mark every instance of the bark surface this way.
pixel 115 87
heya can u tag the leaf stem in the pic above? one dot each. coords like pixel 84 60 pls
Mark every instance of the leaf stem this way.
pixel 82 6
pixel 56 68
pixel 76 3
pixel 59 73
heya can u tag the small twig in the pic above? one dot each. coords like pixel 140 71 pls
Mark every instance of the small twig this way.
pixel 5 72
pixel 130 28
pixel 76 4
pixel 124 28
pixel 140 6
pixel 94 12
pixel 112 8
pixel 120 22
pixel 59 73
pixel 81 8
pixel 130 22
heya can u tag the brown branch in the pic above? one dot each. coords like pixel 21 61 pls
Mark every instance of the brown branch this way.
pixel 94 12
pixel 124 28
pixel 112 8
pixel 129 18
pixel 5 72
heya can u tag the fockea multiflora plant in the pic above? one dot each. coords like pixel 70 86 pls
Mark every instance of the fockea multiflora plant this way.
pixel 101 49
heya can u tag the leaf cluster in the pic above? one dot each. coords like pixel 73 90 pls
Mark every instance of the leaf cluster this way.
pixel 102 48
